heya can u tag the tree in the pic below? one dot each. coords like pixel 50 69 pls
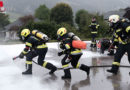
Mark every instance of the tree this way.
pixel 4 20
pixel 42 13
pixel 83 19
pixel 104 26
pixel 62 13
pixel 26 19
pixel 49 28
pixel 68 27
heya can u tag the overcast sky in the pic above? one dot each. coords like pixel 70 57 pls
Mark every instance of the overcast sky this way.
pixel 90 5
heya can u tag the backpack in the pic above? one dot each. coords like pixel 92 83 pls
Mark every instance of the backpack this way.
pixel 43 37
pixel 76 42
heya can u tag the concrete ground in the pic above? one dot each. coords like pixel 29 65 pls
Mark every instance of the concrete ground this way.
pixel 98 79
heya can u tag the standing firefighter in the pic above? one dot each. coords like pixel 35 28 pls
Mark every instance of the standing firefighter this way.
pixel 72 55
pixel 122 34
pixel 94 27
pixel 114 41
pixel 34 46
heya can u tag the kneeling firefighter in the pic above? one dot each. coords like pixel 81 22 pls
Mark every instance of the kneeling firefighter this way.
pixel 122 34
pixel 35 46
pixel 72 55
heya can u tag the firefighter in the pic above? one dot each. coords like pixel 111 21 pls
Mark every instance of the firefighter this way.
pixel 72 55
pixel 94 27
pixel 34 47
pixel 122 34
pixel 114 42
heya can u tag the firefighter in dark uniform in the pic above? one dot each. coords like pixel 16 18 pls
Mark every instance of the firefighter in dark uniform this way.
pixel 34 47
pixel 72 55
pixel 114 41
pixel 122 31
pixel 94 27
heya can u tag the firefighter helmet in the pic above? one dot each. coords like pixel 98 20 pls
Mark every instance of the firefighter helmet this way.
pixel 25 32
pixel 61 31
pixel 114 18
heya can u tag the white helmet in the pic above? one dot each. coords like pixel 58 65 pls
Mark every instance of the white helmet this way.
pixel 114 18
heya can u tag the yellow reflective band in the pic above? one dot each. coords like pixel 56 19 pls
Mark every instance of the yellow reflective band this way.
pixel 93 32
pixel 78 65
pixel 116 35
pixel 97 26
pixel 42 46
pixel 116 63
pixel 67 46
pixel 93 42
pixel 44 64
pixel 28 62
pixel 64 66
pixel 121 41
pixel 128 29
pixel 93 24
pixel 28 44
pixel 116 40
pixel 118 30
pixel 24 52
pixel 77 51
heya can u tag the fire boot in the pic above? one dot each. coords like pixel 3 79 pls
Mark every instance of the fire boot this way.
pixel 85 68
pixel 67 74
pixel 29 69
pixel 91 45
pixel 94 46
pixel 51 67
pixel 114 69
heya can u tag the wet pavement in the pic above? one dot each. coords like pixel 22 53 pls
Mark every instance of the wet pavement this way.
pixel 98 79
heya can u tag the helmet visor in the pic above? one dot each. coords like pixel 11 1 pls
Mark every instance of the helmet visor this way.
pixel 23 38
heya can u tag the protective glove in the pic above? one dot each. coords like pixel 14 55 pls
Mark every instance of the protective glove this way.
pixel 60 53
pixel 21 55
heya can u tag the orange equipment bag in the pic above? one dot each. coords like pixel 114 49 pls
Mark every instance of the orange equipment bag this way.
pixel 79 44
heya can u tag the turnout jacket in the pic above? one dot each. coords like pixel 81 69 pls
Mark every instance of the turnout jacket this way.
pixel 94 27
pixel 122 32
pixel 33 43
pixel 66 45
